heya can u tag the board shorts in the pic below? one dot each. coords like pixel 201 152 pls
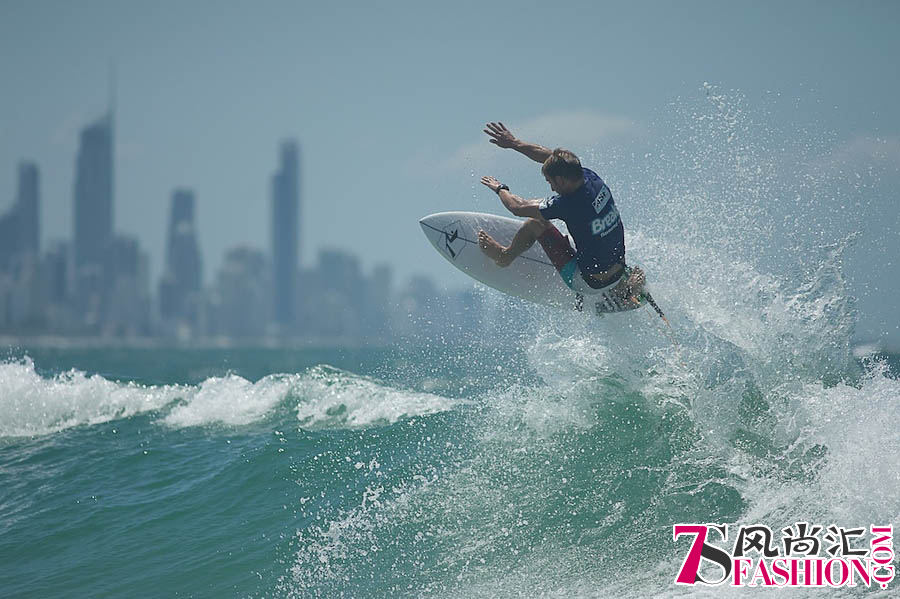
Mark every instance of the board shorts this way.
pixel 562 255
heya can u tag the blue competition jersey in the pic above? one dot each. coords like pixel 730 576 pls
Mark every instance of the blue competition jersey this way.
pixel 593 220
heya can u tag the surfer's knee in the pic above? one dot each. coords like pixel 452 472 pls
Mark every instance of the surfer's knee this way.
pixel 535 226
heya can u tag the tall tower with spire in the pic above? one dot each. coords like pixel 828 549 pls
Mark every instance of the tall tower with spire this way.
pixel 93 219
pixel 285 224
pixel 94 188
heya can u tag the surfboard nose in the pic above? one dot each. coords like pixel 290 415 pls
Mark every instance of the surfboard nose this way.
pixel 431 227
pixel 429 220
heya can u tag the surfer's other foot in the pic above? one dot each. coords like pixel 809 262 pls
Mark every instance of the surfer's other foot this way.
pixel 632 287
pixel 636 281
pixel 494 250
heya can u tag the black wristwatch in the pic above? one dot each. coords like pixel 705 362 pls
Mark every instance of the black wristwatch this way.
pixel 502 186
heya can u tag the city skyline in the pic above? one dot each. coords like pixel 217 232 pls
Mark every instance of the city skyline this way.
pixel 97 284
pixel 94 192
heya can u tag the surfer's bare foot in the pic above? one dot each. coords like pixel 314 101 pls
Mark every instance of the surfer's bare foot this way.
pixel 633 285
pixel 494 250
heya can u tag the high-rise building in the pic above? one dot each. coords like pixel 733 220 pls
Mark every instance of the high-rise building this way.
pixel 9 237
pixel 19 226
pixel 340 270
pixel 335 297
pixel 21 297
pixel 285 225
pixel 241 302
pixel 57 269
pixel 27 201
pixel 127 302
pixel 378 303
pixel 94 193
pixel 183 273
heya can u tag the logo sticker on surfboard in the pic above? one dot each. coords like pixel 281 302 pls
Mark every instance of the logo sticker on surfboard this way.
pixel 453 243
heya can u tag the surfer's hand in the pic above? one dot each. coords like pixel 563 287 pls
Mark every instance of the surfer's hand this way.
pixel 491 182
pixel 500 135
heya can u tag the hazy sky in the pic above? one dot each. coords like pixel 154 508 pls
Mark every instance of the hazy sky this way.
pixel 388 101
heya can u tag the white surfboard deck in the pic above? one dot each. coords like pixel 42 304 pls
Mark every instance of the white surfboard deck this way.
pixel 531 276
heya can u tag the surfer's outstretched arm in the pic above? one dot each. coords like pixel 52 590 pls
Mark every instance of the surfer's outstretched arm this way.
pixel 513 203
pixel 503 137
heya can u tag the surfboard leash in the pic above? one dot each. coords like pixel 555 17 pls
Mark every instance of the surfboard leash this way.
pixel 655 306
pixel 670 333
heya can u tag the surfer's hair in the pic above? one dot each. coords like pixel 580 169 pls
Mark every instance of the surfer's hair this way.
pixel 563 163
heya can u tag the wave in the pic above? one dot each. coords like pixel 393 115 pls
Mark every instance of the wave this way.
pixel 33 405
pixel 323 397
pixel 332 398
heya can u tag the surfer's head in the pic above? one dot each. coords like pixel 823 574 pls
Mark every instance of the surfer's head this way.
pixel 563 171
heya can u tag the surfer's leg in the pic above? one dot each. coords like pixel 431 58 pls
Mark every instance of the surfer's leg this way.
pixel 557 247
pixel 524 238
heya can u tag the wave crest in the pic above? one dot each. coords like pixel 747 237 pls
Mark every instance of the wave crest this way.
pixel 323 397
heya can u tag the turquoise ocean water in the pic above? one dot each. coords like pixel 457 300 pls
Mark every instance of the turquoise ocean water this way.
pixel 551 462
pixel 442 472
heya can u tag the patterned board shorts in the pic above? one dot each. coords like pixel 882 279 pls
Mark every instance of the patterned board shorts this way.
pixel 561 254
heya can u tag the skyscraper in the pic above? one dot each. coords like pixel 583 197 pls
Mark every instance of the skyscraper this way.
pixel 285 224
pixel 183 272
pixel 19 226
pixel 127 302
pixel 94 193
pixel 27 207
pixel 9 241
pixel 242 302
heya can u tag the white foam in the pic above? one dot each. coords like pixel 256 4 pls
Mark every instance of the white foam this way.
pixel 329 397
pixel 857 482
pixel 230 400
pixel 33 405
pixel 323 396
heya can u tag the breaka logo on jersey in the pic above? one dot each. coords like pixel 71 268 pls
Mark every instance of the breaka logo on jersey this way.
pixel 851 557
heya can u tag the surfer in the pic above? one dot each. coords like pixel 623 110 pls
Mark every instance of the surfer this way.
pixel 583 201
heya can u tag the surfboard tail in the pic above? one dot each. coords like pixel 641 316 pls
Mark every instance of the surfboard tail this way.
pixel 655 306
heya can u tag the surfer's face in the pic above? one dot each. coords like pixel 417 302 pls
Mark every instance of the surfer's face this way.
pixel 561 184
pixel 554 183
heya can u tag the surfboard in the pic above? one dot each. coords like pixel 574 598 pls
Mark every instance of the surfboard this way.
pixel 531 276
